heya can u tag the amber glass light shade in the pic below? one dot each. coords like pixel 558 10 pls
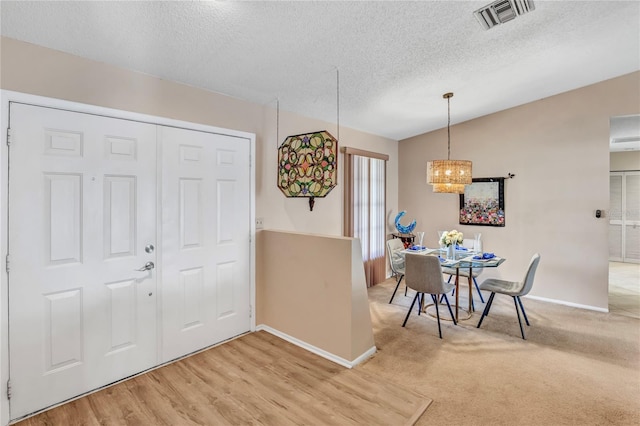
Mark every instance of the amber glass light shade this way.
pixel 450 188
pixel 449 176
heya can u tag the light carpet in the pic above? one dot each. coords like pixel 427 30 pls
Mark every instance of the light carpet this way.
pixel 577 367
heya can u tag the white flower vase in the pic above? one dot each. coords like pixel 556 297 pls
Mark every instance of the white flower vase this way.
pixel 451 252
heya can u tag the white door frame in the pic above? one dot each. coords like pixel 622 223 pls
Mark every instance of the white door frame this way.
pixel 6 97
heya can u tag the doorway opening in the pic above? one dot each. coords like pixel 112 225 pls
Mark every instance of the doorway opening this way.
pixel 624 216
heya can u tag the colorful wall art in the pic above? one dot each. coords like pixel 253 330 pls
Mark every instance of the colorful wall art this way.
pixel 308 165
pixel 483 202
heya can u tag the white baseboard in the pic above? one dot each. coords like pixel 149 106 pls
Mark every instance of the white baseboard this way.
pixel 573 305
pixel 316 350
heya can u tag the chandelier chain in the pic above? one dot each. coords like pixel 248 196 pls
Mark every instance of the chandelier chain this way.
pixel 449 128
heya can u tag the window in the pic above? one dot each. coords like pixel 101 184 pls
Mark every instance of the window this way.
pixel 365 207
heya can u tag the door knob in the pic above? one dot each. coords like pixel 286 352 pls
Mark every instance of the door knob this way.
pixel 147 267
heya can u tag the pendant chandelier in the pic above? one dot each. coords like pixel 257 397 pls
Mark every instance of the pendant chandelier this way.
pixel 448 175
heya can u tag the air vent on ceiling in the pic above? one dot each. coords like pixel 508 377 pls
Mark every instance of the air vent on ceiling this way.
pixel 502 11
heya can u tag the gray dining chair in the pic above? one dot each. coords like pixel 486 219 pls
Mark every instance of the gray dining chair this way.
pixel 424 275
pixel 396 261
pixel 515 289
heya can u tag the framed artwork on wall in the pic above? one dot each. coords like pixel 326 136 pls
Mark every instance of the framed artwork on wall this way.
pixel 483 202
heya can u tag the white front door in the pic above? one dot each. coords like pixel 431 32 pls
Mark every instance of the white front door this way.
pixel 82 200
pixel 205 243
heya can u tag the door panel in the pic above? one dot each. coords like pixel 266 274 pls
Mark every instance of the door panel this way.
pixel 624 217
pixel 82 207
pixel 205 247
pixel 632 217
pixel 119 216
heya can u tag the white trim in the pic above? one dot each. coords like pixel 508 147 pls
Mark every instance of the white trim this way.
pixel 4 289
pixel 252 229
pixel 159 250
pixel 10 96
pixel 321 352
pixel 7 96
pixel 562 302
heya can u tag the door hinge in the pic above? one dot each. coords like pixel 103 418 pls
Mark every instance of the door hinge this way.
pixel 250 311
pixel 9 136
pixel 7 262
pixel 8 389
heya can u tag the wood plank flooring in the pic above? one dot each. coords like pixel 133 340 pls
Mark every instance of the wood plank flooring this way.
pixel 256 379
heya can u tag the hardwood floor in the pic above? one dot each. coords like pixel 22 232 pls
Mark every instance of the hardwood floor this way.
pixel 255 379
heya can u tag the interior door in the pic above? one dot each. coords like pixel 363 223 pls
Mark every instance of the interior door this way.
pixel 205 246
pixel 632 217
pixel 624 217
pixel 82 209
pixel 616 207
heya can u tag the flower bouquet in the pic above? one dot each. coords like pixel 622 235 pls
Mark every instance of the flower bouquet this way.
pixel 450 240
pixel 452 237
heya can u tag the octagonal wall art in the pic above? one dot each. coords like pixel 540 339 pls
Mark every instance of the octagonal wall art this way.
pixel 308 165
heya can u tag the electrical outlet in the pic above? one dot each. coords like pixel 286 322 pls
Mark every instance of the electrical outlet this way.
pixel 259 223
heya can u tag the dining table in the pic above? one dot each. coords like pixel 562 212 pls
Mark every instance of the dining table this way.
pixel 464 259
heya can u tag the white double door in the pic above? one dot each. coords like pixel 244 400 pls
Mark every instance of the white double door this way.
pixel 128 247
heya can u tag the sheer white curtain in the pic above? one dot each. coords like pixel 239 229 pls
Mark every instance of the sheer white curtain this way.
pixel 365 207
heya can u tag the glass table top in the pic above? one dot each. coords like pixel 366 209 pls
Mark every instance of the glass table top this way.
pixel 464 258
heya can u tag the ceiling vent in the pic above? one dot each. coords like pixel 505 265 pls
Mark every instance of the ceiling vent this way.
pixel 502 11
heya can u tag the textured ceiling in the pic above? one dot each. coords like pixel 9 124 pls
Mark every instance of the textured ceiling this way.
pixel 395 59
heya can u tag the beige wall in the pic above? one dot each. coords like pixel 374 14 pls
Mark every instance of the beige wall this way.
pixel 292 213
pixel 559 151
pixel 36 70
pixel 624 161
pixel 328 310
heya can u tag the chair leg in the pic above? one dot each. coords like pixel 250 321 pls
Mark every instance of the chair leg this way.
pixel 420 302
pixel 405 289
pixel 515 302
pixel 473 306
pixel 486 309
pixel 478 288
pixel 489 302
pixel 453 292
pixel 409 312
pixel 450 311
pixel 523 312
pixel 438 315
pixel 398 285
